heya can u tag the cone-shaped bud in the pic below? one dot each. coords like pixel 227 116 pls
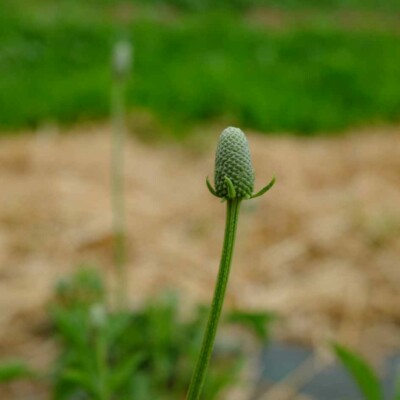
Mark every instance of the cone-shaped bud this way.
pixel 233 161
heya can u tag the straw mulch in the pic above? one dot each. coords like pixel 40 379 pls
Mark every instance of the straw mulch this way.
pixel 322 249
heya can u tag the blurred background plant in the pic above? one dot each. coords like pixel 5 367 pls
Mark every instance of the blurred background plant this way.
pixel 142 354
pixel 363 374
pixel 121 68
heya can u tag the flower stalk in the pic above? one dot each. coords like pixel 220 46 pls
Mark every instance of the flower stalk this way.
pixel 234 181
pixel 122 59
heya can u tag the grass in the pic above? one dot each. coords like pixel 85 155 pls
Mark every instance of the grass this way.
pixel 240 5
pixel 319 78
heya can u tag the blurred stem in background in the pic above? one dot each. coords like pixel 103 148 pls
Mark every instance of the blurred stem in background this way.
pixel 122 60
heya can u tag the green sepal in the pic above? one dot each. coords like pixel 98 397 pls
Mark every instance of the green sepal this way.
pixel 210 188
pixel 230 187
pixel 264 189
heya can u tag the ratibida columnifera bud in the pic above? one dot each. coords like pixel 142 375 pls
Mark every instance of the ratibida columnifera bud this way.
pixel 233 160
pixel 234 172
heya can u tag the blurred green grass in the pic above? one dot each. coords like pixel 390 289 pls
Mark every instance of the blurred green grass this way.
pixel 319 77
pixel 240 5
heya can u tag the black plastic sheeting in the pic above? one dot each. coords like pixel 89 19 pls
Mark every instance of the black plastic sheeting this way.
pixel 278 360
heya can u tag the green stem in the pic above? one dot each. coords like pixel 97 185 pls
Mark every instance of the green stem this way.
pixel 199 374
pixel 118 206
pixel 102 367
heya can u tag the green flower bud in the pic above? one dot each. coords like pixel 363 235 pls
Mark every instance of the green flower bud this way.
pixel 233 161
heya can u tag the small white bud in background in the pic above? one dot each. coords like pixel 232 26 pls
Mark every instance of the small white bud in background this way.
pixel 122 58
pixel 98 315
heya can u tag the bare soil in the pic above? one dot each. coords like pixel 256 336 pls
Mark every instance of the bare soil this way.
pixel 322 249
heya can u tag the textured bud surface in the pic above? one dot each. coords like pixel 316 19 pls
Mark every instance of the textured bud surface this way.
pixel 233 160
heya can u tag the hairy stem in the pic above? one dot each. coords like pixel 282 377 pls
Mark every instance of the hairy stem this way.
pixel 199 374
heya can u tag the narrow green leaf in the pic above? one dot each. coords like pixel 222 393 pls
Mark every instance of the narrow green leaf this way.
pixel 230 187
pixel 13 370
pixel 125 371
pixel 264 189
pixel 365 377
pixel 257 322
pixel 397 390
pixel 210 188
pixel 80 378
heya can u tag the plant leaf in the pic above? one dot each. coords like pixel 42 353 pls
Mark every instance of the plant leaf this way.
pixel 365 377
pixel 264 189
pixel 397 390
pixel 79 378
pixel 125 371
pixel 14 370
pixel 258 322
pixel 210 188
pixel 230 187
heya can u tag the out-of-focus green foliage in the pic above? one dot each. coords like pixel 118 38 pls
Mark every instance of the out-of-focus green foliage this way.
pixel 241 5
pixel 55 65
pixel 258 322
pixel 397 390
pixel 361 372
pixel 12 370
pixel 146 354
